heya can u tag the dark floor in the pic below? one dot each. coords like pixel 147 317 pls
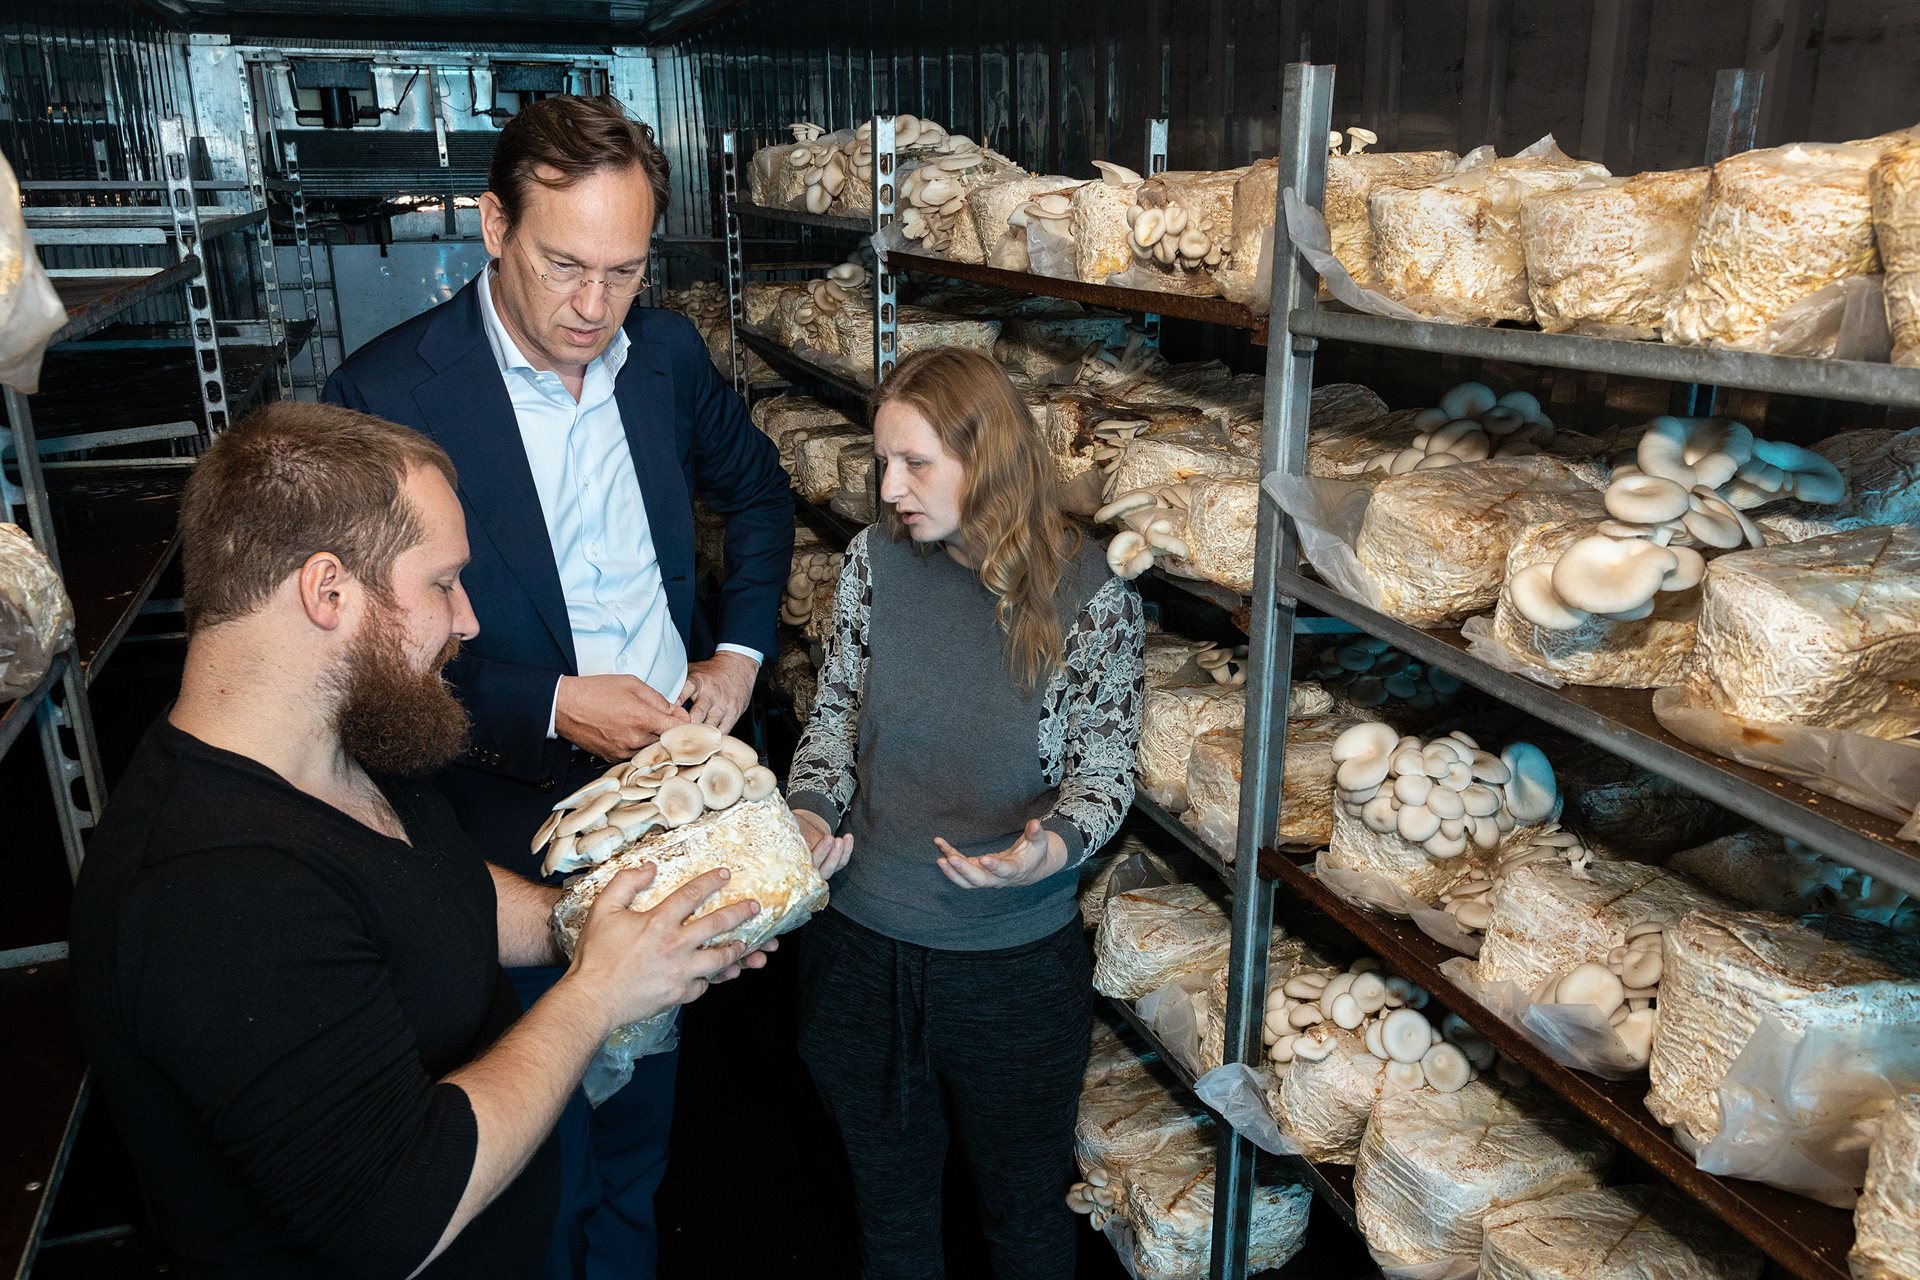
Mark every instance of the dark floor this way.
pixel 739 1080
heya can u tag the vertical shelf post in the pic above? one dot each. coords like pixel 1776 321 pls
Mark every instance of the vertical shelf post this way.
pixel 1733 121
pixel 885 287
pixel 736 267
pixel 263 238
pixel 1306 113
pixel 1156 163
pixel 303 248
pixel 198 290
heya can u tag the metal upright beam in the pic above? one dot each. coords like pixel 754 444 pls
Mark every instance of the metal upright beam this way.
pixel 263 239
pixel 1306 114
pixel 1156 163
pixel 886 289
pixel 303 247
pixel 198 293
pixel 736 267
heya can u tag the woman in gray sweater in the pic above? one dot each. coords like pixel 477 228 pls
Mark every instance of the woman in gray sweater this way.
pixel 971 744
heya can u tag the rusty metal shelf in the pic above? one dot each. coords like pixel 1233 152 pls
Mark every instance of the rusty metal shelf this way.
pixel 829 221
pixel 804 370
pixel 1808 1239
pixel 1188 838
pixel 94 301
pixel 1141 301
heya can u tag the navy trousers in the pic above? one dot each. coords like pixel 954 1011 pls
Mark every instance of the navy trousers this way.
pixel 613 1156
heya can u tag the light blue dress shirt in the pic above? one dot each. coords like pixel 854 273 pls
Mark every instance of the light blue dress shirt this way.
pixel 595 516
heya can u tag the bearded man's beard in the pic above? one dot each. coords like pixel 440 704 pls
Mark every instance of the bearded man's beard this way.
pixel 393 718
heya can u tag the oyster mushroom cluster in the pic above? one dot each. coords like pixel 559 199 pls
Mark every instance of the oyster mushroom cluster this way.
pixel 1052 213
pixel 1470 424
pixel 1689 487
pixel 1155 523
pixel 812 570
pixel 692 770
pixel 1227 666
pixel 1368 671
pixel 1625 989
pixel 1470 902
pixel 1095 1197
pixel 1444 794
pixel 836 174
pixel 1356 140
pixel 812 312
pixel 934 195
pixel 1168 233
pixel 1384 1010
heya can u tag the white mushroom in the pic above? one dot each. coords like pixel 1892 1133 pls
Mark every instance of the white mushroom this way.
pixel 1531 792
pixel 545 831
pixel 1647 499
pixel 722 783
pixel 691 744
pixel 1417 823
pixel 1611 575
pixel 1689 567
pixel 1693 451
pixel 1406 1076
pixel 1641 969
pixel 1593 984
pixel 1475 915
pixel 680 802
pixel 1369 993
pixel 1305 1016
pixel 1314 1047
pixel 1533 595
pixel 1116 175
pixel 1346 1012
pixel 1128 554
pixel 758 783
pixel 1375 1045
pixel 1636 1033
pixel 1282 1050
pixel 1406 1036
pixel 1809 477
pixel 635 820
pixel 1305 986
pixel 1363 753
pixel 1446 1068
pixel 590 816
pixel 1468 400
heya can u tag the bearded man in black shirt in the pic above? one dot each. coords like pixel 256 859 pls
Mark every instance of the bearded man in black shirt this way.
pixel 286 955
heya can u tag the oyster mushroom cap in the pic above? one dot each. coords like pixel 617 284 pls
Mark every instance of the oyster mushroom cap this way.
pixel 1116 175
pixel 1533 595
pixel 1131 501
pixel 1194 243
pixel 1375 1045
pixel 1636 1033
pixel 739 752
pixel 1314 1047
pixel 1406 1035
pixel 1346 1011
pixel 1468 400
pixel 1611 575
pixel 598 787
pixel 1446 1068
pixel 635 820
pixel 1531 792
pixel 1593 984
pixel 590 816
pixel 1149 228
pixel 759 782
pixel 1369 992
pixel 1405 1076
pixel 1128 554
pixel 1363 752
pixel 1361 140
pixel 1809 477
pixel 692 744
pixel 1690 566
pixel 722 783
pixel 680 801
pixel 545 831
pixel 1647 499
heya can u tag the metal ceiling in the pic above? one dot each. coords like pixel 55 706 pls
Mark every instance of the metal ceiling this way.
pixel 596 21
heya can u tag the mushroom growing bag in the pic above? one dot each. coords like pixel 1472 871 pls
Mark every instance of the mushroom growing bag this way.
pixel 1306 789
pixel 1549 918
pixel 1152 936
pixel 1886 1223
pixel 1613 1233
pixel 36 618
pixel 1169 1205
pixel 759 842
pixel 1894 184
pixel 1609 256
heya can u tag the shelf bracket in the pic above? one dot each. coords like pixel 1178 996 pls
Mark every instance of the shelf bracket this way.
pixel 263 239
pixel 1156 163
pixel 69 710
pixel 303 249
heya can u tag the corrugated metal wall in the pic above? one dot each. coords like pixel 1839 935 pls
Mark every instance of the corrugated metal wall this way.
pixel 1057 83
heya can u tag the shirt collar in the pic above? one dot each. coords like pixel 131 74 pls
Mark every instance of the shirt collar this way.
pixel 506 352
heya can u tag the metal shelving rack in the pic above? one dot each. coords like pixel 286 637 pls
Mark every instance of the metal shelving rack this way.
pixel 885 288
pixel 1803 1238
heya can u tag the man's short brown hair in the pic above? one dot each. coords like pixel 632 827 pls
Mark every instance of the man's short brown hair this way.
pixel 576 136
pixel 289 480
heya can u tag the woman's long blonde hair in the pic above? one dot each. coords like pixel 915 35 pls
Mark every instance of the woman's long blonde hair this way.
pixel 1011 520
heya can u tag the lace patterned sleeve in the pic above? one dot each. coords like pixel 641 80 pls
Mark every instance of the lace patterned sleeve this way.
pixel 1105 680
pixel 822 777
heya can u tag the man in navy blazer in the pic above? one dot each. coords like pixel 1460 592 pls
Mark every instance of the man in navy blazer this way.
pixel 581 429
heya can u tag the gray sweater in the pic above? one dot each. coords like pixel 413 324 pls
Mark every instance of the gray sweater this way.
pixel 919 730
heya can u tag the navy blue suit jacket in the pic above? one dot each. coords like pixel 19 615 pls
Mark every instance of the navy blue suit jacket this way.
pixel 688 433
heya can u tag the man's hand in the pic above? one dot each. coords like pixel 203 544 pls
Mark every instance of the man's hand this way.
pixel 612 716
pixel 1033 857
pixel 720 688
pixel 830 852
pixel 637 964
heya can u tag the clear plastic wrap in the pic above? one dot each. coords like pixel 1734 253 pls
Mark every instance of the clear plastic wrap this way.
pixel 1222 515
pixel 1171 719
pixel 1613 1233
pixel 1182 261
pixel 1169 1205
pixel 1130 1117
pixel 1886 1222
pixel 992 204
pixel 1824 632
pixel 1780 224
pixel 1452 247
pixel 1651 653
pixel 1306 789
pixel 1726 972
pixel 1609 256
pixel 30 310
pixel 1152 936
pixel 1134 866
pixel 36 618
pixel 1322 1107
pixel 1549 918
pixel 759 842
pixel 1894 186
pixel 1101 244
pixel 1429 547
pixel 1433 1165
pixel 1574 1035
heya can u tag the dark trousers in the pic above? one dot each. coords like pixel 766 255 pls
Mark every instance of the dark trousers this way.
pixel 912 1048
pixel 613 1156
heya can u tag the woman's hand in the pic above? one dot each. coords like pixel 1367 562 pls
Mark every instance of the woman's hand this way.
pixel 1033 857
pixel 830 852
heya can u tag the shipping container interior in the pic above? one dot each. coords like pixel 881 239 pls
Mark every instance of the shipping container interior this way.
pixel 332 155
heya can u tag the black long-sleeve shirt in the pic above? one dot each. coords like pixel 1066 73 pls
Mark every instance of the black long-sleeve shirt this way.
pixel 268 992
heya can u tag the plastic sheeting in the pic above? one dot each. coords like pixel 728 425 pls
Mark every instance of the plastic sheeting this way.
pixel 36 618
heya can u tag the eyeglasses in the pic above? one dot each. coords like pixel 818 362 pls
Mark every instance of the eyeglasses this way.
pixel 621 282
